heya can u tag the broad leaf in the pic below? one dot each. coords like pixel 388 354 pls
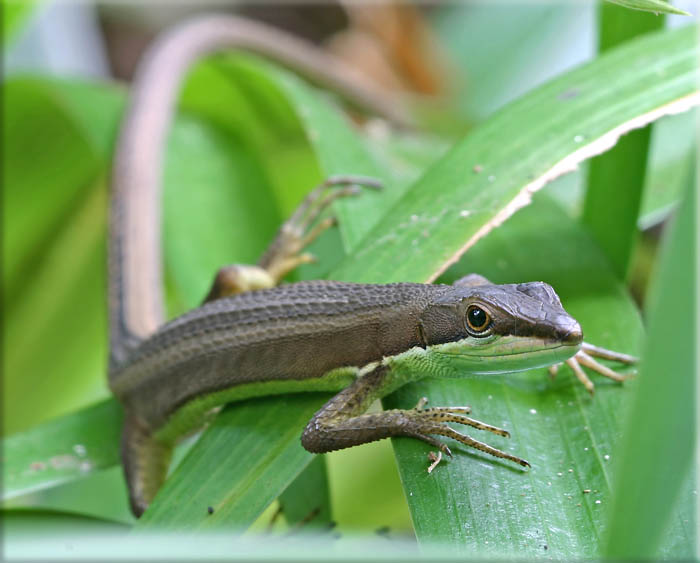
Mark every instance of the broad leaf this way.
pixel 53 250
pixel 672 156
pixel 613 199
pixel 494 170
pixel 656 476
pixel 306 503
pixel 28 523
pixel 62 450
pixel 238 466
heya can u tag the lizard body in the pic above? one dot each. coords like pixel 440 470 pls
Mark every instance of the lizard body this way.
pixel 251 338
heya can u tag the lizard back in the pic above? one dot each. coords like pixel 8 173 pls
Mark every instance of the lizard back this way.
pixel 292 332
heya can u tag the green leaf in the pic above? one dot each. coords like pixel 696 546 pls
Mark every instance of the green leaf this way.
pixel 53 250
pixel 307 502
pixel 61 450
pixel 671 159
pixel 63 299
pixel 26 524
pixel 237 94
pixel 655 6
pixel 224 197
pixel 657 453
pixel 339 152
pixel 488 175
pixel 58 165
pixel 237 467
pixel 100 493
pixel 616 178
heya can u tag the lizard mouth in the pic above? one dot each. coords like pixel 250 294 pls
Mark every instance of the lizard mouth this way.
pixel 520 357
pixel 518 352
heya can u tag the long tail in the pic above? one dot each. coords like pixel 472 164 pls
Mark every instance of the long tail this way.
pixel 146 462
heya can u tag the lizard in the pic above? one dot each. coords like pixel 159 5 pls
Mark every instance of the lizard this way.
pixel 254 337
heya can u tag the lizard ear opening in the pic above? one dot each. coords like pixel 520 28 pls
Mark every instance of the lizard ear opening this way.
pixel 422 336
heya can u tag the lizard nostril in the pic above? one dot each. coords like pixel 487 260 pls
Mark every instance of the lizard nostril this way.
pixel 574 334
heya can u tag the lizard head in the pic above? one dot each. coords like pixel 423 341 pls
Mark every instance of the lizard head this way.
pixel 500 328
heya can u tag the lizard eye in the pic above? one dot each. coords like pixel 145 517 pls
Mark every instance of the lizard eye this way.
pixel 478 320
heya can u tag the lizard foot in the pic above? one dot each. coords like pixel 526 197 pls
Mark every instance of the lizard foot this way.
pixel 301 229
pixel 285 252
pixel 433 420
pixel 585 357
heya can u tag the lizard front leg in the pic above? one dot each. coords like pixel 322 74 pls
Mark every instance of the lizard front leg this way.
pixel 286 250
pixel 341 422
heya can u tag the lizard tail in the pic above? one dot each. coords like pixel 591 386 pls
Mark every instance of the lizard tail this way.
pixel 145 460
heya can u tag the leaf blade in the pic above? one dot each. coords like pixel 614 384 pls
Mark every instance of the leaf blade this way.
pixel 643 474
pixel 306 503
pixel 62 450
pixel 612 201
pixel 262 438
pixel 431 226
